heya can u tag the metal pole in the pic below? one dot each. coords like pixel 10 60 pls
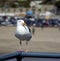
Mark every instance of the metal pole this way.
pixel 21 54
pixel 19 58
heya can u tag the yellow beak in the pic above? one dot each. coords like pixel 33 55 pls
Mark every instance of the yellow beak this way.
pixel 24 24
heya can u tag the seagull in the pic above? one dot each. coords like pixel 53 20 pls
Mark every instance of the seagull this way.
pixel 23 32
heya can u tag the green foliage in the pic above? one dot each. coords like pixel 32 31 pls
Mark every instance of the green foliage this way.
pixel 22 0
pixel 24 4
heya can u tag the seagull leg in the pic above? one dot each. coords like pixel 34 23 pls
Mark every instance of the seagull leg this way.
pixel 26 42
pixel 26 46
pixel 20 42
pixel 20 46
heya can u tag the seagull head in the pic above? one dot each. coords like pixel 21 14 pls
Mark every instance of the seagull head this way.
pixel 21 22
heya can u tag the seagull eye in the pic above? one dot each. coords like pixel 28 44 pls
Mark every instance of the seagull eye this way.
pixel 19 21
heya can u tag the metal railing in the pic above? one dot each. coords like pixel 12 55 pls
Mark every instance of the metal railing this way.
pixel 21 54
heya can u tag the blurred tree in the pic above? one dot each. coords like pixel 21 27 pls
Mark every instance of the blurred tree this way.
pixel 24 3
pixel 47 2
pixel 15 3
pixel 57 4
pixel 54 2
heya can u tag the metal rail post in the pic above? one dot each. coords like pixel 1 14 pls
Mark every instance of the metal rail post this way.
pixel 19 58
